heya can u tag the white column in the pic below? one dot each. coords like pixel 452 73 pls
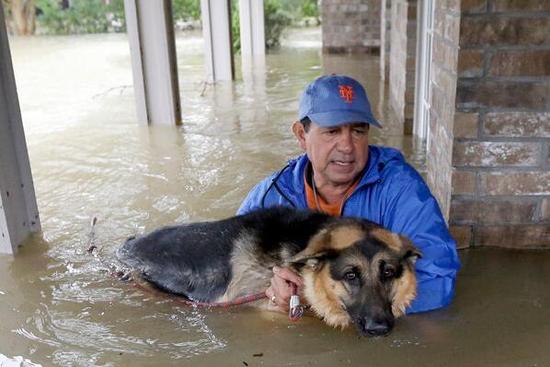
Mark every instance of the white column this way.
pixel 251 15
pixel 18 209
pixel 216 30
pixel 152 47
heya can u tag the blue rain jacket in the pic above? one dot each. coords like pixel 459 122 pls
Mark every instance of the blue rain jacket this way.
pixel 392 194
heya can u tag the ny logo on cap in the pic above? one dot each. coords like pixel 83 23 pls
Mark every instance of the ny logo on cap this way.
pixel 346 92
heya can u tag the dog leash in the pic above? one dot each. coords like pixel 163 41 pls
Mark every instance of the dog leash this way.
pixel 295 312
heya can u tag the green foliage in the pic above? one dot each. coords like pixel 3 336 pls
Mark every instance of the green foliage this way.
pixel 83 16
pixel 7 9
pixel 235 26
pixel 310 8
pixel 93 16
pixel 276 20
pixel 186 10
pixel 300 9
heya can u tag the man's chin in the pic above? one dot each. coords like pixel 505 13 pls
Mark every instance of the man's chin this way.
pixel 342 178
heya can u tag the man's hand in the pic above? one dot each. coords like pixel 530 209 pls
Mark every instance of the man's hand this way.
pixel 281 288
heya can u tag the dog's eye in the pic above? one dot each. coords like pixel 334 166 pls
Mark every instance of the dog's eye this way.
pixel 388 273
pixel 350 275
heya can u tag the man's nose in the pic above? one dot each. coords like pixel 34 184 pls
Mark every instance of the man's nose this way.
pixel 345 143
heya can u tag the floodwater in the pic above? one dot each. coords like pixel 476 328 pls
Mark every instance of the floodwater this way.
pixel 89 157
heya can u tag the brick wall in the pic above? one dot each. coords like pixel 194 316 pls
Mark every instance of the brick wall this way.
pixel 443 79
pixel 351 25
pixel 402 61
pixel 501 182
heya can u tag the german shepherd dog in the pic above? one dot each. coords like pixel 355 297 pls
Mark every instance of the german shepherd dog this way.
pixel 354 271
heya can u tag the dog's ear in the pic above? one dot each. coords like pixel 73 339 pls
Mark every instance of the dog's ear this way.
pixel 314 254
pixel 309 260
pixel 409 252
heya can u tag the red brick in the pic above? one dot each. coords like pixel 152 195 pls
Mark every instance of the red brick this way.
pixel 521 63
pixel 453 5
pixel 494 154
pixel 466 125
pixel 507 211
pixel 490 31
pixel 520 5
pixel 464 182
pixel 443 79
pixel 476 211
pixel 441 104
pixel 515 183
pixel 464 211
pixel 517 124
pixel 473 6
pixel 470 63
pixel 462 235
pixel 439 21
pixel 502 94
pixel 444 54
pixel 514 236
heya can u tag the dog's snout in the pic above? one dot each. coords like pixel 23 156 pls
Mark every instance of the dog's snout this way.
pixel 377 327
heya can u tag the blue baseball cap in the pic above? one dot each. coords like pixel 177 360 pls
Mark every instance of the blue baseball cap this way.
pixel 335 100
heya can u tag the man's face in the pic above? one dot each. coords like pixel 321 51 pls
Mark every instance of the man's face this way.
pixel 338 154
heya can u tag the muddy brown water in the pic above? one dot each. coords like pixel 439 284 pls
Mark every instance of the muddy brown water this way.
pixel 59 306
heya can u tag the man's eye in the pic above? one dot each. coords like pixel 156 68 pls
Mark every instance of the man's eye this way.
pixel 331 132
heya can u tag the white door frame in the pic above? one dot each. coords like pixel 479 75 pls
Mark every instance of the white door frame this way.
pixel 423 90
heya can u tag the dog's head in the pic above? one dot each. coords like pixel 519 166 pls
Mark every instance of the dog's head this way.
pixel 358 273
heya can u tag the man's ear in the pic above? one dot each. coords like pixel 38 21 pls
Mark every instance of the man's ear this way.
pixel 299 133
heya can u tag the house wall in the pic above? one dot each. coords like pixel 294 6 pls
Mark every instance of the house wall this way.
pixel 501 150
pixel 351 25
pixel 443 79
pixel 402 61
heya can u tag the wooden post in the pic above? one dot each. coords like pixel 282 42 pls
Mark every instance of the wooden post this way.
pixel 152 47
pixel 18 209
pixel 216 30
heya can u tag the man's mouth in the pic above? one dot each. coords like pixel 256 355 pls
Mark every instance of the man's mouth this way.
pixel 343 163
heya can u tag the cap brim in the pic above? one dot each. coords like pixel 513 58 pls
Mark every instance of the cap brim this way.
pixel 339 118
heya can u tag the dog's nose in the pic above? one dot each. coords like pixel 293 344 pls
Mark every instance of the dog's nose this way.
pixel 377 327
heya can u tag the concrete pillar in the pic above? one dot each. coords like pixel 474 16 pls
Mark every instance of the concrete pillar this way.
pixel 251 15
pixel 151 36
pixel 216 30
pixel 18 209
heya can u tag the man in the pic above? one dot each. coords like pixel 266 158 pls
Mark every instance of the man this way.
pixel 342 175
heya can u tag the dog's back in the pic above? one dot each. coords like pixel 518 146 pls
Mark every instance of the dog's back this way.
pixel 197 260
